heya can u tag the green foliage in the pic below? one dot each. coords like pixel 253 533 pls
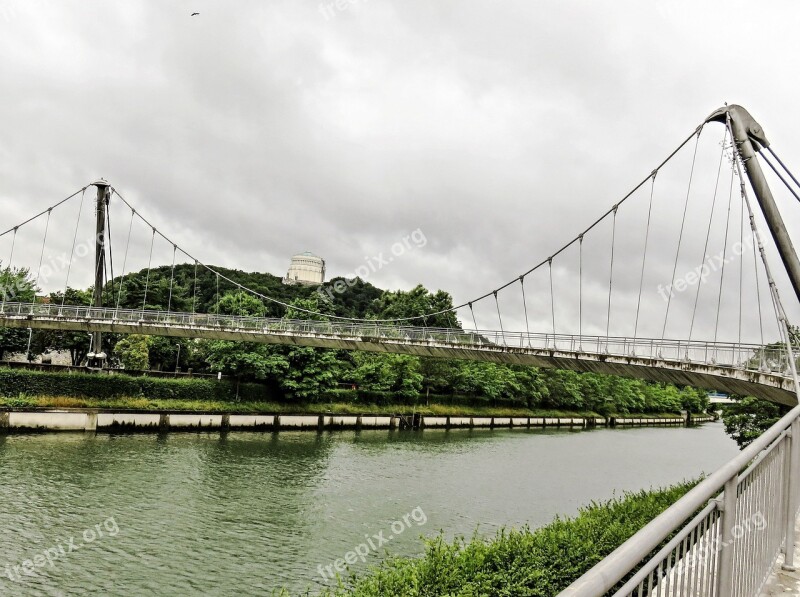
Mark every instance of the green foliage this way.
pixel 310 372
pixel 241 304
pixel 164 352
pixel 20 401
pixel 243 359
pixel 134 352
pixel 15 383
pixel 538 563
pixel 749 417
pixel 393 373
pixel 414 303
pixel 16 285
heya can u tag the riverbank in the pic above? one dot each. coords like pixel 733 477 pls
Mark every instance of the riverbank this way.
pixel 537 563
pixel 13 420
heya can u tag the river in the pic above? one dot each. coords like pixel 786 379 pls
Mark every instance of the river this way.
pixel 245 513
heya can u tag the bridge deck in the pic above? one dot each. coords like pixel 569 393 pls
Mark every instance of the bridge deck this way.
pixel 741 369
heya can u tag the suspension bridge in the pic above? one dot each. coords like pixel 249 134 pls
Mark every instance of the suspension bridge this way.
pixel 605 301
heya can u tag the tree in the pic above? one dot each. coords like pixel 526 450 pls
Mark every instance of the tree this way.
pixel 134 352
pixel 533 385
pixel 491 380
pixel 244 359
pixel 395 373
pixel 416 303
pixel 16 285
pixel 241 304
pixel 749 417
pixel 438 375
pixel 165 352
pixel 694 400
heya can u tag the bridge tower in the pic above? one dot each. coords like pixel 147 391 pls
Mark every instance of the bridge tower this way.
pixel 750 139
pixel 97 356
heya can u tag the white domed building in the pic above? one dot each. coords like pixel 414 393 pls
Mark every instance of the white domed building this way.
pixel 306 268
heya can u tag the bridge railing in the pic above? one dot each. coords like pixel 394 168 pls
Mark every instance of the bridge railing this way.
pixel 732 539
pixel 719 354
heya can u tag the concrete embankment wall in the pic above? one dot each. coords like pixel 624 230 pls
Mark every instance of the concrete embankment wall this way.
pixel 57 420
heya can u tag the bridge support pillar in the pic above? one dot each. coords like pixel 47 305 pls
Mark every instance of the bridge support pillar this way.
pixel 97 356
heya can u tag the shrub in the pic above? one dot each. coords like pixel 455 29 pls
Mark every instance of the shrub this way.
pixel 14 382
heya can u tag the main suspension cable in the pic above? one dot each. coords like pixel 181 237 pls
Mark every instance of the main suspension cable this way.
pixel 546 261
pixel 48 210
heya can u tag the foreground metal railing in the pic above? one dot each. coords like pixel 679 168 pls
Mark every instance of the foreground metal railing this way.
pixel 732 541
pixel 751 357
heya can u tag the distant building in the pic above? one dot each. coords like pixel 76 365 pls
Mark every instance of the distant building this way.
pixel 306 268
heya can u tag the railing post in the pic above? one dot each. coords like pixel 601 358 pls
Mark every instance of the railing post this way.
pixel 790 488
pixel 728 520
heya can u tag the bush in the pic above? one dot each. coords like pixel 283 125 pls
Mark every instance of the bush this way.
pixel 14 382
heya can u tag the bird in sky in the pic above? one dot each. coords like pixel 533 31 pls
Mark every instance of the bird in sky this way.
pixel 194 14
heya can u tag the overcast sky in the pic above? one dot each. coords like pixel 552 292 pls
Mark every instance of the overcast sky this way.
pixel 256 130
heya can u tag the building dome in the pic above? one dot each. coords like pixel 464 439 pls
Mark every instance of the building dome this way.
pixel 306 268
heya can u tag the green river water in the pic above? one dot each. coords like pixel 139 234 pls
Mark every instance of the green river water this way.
pixel 245 513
